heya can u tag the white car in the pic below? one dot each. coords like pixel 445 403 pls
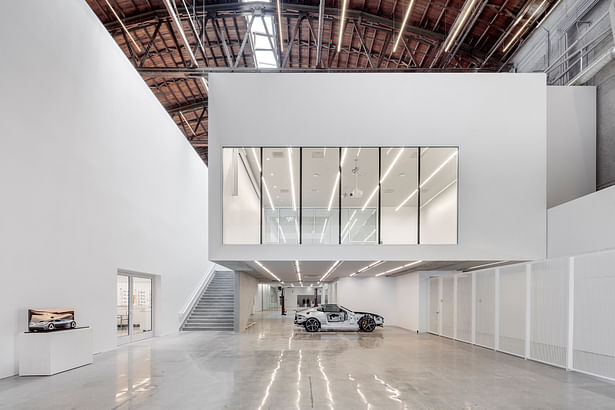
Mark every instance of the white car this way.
pixel 334 317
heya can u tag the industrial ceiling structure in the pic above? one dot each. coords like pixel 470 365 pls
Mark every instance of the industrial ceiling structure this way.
pixel 174 44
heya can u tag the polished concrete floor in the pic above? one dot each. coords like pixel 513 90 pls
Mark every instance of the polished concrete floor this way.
pixel 276 365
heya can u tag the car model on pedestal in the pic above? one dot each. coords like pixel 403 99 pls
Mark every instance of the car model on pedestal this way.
pixel 335 317
pixel 51 319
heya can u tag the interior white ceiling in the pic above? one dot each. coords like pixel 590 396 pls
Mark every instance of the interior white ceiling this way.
pixel 312 271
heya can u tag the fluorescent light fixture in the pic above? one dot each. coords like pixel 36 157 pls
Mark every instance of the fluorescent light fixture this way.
pixel 178 25
pixel 324 226
pixel 280 25
pixel 467 7
pixel 487 264
pixel 534 14
pixel 331 268
pixel 344 152
pixel 204 81
pixel 349 229
pixel 298 270
pixel 123 26
pixel 181 114
pixel 409 197
pixel 399 268
pixel 349 221
pixel 268 271
pixel 256 159
pixel 439 192
pixel 292 178
pixel 339 43
pixel 433 174
pixel 403 24
pixel 268 194
pixel 366 267
pixel 281 231
pixel 386 174
pixel 337 180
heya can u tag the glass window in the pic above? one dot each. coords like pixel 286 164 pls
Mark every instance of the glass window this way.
pixel 399 197
pixel 281 195
pixel 320 196
pixel 241 195
pixel 122 305
pixel 360 173
pixel 438 195
pixel 141 305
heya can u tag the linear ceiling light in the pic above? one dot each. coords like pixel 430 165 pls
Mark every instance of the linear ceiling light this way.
pixel 487 264
pixel 339 43
pixel 181 114
pixel 324 227
pixel 292 178
pixel 366 267
pixel 268 194
pixel 182 34
pixel 349 229
pixel 534 14
pixel 403 25
pixel 433 174
pixel 268 271
pixel 258 162
pixel 465 13
pixel 123 26
pixel 331 268
pixel 280 25
pixel 399 267
pixel 369 236
pixel 337 179
pixel 298 270
pixel 439 192
pixel 383 178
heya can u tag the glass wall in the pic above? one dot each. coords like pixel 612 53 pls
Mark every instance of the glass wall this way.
pixel 281 195
pixel 360 195
pixel 399 197
pixel 241 168
pixel 438 196
pixel 320 195
pixel 332 195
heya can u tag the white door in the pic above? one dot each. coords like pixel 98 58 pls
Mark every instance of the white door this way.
pixel 434 305
pixel 134 307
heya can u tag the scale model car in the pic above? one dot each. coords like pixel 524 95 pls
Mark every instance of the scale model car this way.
pixel 334 317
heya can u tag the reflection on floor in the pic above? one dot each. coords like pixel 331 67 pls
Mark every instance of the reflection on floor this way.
pixel 276 365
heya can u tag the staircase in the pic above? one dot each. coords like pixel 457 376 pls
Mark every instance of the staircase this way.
pixel 215 309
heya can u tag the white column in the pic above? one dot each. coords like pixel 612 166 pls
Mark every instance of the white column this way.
pixel 528 307
pixel 496 327
pixel 570 356
pixel 473 308
pixel 455 306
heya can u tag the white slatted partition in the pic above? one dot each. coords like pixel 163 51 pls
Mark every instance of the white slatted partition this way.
pixel 594 314
pixel 448 306
pixel 549 311
pixel 434 305
pixel 512 309
pixel 485 308
pixel 464 307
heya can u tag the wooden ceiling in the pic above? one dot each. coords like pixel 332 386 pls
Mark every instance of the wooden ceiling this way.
pixel 216 30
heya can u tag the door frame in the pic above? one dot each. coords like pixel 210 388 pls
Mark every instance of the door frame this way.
pixel 144 335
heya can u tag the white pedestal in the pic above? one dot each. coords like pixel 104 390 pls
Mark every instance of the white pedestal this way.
pixel 47 353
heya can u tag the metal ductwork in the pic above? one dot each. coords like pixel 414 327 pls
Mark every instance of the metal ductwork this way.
pixel 599 63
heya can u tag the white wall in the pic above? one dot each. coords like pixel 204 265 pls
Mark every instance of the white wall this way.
pixel 584 225
pixel 95 176
pixel 502 159
pixel 248 287
pixel 398 299
pixel 571 143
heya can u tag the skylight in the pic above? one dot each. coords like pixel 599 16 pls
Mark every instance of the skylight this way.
pixel 262 36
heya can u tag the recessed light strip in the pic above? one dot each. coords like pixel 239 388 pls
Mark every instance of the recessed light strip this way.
pixel 258 162
pixel 367 267
pixel 401 150
pixel 403 25
pixel 436 195
pixel 298 270
pixel 399 268
pixel 268 194
pixel 487 264
pixel 292 178
pixel 337 180
pixel 331 268
pixel 324 227
pixel 467 7
pixel 268 271
pixel 280 25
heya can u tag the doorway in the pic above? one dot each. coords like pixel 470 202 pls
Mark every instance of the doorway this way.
pixel 134 307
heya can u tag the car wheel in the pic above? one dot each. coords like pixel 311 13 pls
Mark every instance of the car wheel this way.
pixel 73 324
pixel 312 325
pixel 50 326
pixel 367 324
